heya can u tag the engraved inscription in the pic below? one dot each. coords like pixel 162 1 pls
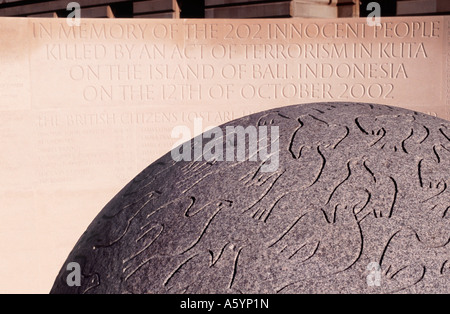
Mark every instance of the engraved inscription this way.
pixel 261 63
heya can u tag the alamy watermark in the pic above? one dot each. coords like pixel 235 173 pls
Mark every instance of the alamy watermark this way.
pixel 74 277
pixel 374 276
pixel 231 146
pixel 374 17
pixel 74 17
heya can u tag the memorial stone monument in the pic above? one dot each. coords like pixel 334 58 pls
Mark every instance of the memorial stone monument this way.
pixel 86 108
pixel 356 201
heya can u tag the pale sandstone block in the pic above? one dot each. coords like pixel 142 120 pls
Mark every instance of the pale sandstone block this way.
pixel 154 6
pixel 251 10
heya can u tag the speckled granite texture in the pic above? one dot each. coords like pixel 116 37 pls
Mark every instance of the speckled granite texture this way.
pixel 357 185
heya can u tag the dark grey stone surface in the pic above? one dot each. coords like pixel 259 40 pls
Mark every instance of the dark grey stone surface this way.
pixel 357 184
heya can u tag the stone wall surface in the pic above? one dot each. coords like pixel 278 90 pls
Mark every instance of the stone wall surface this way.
pixel 221 8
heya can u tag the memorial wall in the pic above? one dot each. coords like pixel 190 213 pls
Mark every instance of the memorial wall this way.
pixel 85 108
